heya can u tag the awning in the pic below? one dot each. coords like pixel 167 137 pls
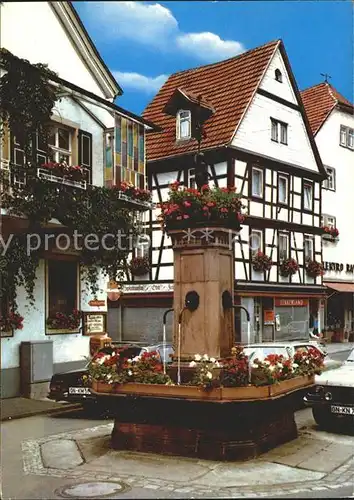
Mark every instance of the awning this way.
pixel 340 287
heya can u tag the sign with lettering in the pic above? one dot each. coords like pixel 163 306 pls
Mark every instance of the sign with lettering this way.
pixel 97 303
pixel 94 323
pixel 291 302
pixel 338 267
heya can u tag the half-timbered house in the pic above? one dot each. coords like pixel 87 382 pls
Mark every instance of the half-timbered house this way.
pixel 258 139
pixel 332 122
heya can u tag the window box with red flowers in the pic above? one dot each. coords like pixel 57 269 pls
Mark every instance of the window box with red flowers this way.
pixel 63 170
pixel 139 266
pixel 314 269
pixel 261 262
pixel 188 207
pixel 288 267
pixel 13 321
pixel 129 192
pixel 330 233
pixel 62 322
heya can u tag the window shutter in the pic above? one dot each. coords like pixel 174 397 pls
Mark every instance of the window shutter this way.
pixel 85 152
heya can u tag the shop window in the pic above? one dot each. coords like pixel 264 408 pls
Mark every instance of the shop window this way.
pixel 291 323
pixel 62 286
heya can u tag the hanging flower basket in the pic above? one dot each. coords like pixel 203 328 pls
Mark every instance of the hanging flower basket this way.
pixel 139 266
pixel 261 262
pixel 188 207
pixel 330 233
pixel 314 269
pixel 13 321
pixel 288 267
pixel 62 321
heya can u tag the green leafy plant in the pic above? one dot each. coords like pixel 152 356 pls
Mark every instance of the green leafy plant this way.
pixel 234 369
pixel 206 373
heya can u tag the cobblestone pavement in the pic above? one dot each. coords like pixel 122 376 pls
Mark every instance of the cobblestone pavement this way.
pixel 315 462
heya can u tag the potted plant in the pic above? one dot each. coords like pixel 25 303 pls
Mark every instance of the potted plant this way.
pixel 188 207
pixel 314 268
pixel 261 262
pixel 288 267
pixel 139 266
pixel 330 233
pixel 136 194
pixel 64 321
pixel 13 321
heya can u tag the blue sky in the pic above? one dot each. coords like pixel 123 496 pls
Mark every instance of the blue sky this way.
pixel 144 42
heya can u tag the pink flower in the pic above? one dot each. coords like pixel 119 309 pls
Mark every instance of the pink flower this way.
pixel 186 216
pixel 187 204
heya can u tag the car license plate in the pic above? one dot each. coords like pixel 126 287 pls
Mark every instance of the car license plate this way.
pixel 79 390
pixel 343 410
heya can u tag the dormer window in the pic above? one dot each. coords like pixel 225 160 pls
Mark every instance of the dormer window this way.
pixel 183 125
pixel 278 76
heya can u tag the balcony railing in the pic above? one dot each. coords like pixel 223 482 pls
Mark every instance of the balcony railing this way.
pixel 43 173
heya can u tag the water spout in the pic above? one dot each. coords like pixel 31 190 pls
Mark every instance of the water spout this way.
pixel 164 337
pixel 179 346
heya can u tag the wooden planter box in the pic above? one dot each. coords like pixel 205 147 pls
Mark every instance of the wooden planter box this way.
pixel 244 393
pixel 290 385
pixel 170 391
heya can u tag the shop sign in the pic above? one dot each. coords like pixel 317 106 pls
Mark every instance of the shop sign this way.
pixel 97 303
pixel 338 267
pixel 291 302
pixel 94 323
pixel 269 317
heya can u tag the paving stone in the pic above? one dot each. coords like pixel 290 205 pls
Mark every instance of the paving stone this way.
pixel 328 460
pixel 61 454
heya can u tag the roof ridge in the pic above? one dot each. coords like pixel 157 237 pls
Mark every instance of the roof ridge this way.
pixel 313 86
pixel 247 52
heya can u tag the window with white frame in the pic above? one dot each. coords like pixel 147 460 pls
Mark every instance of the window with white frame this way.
pixel 183 130
pixel 346 137
pixel 191 178
pixel 279 131
pixel 283 246
pixel 257 182
pixel 308 195
pixel 282 189
pixel 256 241
pixel 60 144
pixel 308 248
pixel 330 182
pixel 328 220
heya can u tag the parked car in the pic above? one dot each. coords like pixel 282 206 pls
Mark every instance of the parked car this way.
pixel 332 398
pixel 288 350
pixel 69 386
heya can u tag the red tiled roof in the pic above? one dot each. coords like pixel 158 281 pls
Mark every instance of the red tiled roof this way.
pixel 227 85
pixel 319 101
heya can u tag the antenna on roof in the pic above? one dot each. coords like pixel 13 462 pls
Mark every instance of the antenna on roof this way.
pixel 326 76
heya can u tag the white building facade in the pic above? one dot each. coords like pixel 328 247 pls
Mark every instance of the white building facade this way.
pixel 87 129
pixel 332 121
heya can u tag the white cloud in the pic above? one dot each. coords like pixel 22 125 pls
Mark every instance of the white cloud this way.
pixel 208 46
pixel 136 81
pixel 155 25
pixel 136 21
